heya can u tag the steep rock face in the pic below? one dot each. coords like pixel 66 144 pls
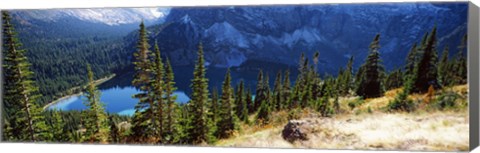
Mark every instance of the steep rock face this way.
pixel 232 35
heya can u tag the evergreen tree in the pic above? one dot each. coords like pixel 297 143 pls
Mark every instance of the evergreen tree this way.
pixel 301 61
pixel 244 115
pixel 183 126
pixel 158 86
pixel 263 114
pixel 427 70
pixel 215 103
pixel 56 127
pixel 201 131
pixel 239 99
pixel 267 91
pixel 347 76
pixel 6 131
pixel 143 122
pixel 442 68
pixel 394 80
pixel 96 118
pixel 20 93
pixel 170 101
pixel 260 91
pixel 370 83
pixel 250 102
pixel 411 60
pixel 278 93
pixel 114 132
pixel 286 90
pixel 401 101
pixel 227 121
pixel 461 63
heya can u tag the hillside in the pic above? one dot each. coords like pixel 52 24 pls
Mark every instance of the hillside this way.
pixel 359 128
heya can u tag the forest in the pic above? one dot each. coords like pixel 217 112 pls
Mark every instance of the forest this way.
pixel 213 115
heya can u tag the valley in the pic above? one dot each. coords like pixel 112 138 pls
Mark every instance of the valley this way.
pixel 375 76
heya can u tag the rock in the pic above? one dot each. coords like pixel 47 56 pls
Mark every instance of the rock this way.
pixel 296 130
pixel 124 126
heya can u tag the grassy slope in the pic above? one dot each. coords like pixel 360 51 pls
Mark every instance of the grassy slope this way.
pixel 358 129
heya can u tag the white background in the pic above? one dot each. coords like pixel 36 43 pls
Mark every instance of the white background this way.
pixel 74 148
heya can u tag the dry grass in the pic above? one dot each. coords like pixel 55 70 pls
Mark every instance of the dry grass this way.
pixel 438 131
pixel 420 130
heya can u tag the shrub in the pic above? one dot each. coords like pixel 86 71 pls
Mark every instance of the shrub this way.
pixel 294 114
pixel 355 103
pixel 401 103
pixel 446 100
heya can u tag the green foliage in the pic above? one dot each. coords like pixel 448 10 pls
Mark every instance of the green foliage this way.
pixel 345 79
pixel 144 119
pixel 170 102
pixel 370 79
pixel 264 115
pixel 260 93
pixel 294 114
pixel 394 80
pixel 412 60
pixel 114 134
pixel 56 126
pixel 323 104
pixel 286 90
pixel 26 123
pixel 277 93
pixel 355 103
pixel 401 101
pixel 214 107
pixel 442 68
pixel 228 121
pixel 202 131
pixel 447 99
pixel 239 99
pixel 241 102
pixel 96 122
pixel 158 86
pixel 427 66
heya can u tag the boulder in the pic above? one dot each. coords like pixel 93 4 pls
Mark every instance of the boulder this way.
pixel 296 130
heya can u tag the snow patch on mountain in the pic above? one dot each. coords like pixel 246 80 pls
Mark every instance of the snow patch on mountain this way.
pixel 109 16
pixel 186 19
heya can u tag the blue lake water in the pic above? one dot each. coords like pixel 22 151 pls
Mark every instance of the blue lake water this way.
pixel 117 100
pixel 117 93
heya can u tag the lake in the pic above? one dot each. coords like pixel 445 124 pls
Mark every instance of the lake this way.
pixel 117 92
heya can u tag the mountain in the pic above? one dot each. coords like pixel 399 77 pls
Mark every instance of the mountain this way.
pixel 108 16
pixel 233 35
pixel 57 23
pixel 60 42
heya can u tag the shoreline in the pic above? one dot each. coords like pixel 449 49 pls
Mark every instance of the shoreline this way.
pixel 97 82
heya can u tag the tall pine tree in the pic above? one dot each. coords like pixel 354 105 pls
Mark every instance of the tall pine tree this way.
pixel 202 129
pixel 370 83
pixel 20 94
pixel 427 66
pixel 158 93
pixel 96 122
pixel 143 122
pixel 239 99
pixel 278 93
pixel 442 68
pixel 170 101
pixel 227 119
